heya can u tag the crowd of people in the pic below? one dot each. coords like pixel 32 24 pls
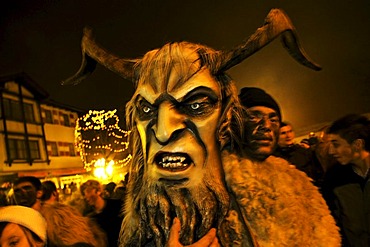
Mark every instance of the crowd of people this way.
pixel 98 218
pixel 35 206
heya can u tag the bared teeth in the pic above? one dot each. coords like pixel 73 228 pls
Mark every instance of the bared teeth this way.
pixel 173 162
pixel 173 165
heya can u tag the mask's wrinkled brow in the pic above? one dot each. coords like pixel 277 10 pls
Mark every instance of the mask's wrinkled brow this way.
pixel 202 91
pixel 199 91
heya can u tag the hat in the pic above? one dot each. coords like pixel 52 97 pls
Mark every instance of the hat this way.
pixel 253 96
pixel 25 216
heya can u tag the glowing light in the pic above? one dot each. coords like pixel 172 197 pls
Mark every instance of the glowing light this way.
pixel 109 169
pixel 98 138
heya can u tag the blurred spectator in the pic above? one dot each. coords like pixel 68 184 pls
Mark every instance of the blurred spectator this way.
pixel 78 202
pixel 305 143
pixel 3 197
pixel 109 190
pixel 346 185
pixel 302 158
pixel 120 190
pixel 67 227
pixel 310 142
pixel 22 226
pixel 50 192
pixel 28 192
pixel 322 151
pixel 107 212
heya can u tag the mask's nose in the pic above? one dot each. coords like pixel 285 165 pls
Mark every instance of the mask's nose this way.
pixel 170 122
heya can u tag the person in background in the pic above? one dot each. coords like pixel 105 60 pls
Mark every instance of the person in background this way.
pixel 322 154
pixel 22 226
pixel 109 190
pixel 50 192
pixel 281 205
pixel 106 212
pixel 303 158
pixel 3 197
pixel 28 192
pixel 346 185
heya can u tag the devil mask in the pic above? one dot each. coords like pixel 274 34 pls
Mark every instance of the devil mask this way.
pixel 184 111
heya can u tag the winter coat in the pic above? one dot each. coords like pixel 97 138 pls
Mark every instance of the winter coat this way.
pixel 348 197
pixel 304 159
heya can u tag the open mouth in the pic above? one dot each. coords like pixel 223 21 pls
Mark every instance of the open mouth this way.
pixel 173 162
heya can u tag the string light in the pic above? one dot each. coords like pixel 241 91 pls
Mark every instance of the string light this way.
pixel 102 144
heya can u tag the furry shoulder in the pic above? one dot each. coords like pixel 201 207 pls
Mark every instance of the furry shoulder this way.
pixel 279 203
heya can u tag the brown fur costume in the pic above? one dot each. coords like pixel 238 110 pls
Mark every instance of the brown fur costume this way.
pixel 279 202
pixel 66 226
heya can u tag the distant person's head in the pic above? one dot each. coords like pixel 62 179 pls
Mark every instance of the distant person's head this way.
pixel 262 122
pixel 21 226
pixel 92 191
pixel 287 135
pixel 49 192
pixel 349 138
pixel 109 189
pixel 27 191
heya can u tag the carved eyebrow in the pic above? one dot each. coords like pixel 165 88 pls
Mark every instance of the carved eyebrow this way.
pixel 202 90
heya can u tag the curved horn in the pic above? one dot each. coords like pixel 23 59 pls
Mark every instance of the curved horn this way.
pixel 93 53
pixel 276 23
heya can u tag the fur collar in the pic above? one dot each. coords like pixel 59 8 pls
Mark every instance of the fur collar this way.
pixel 279 203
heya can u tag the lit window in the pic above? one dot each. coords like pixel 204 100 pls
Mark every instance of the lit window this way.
pixel 54 149
pixel 66 120
pixel 72 151
pixel 34 149
pixel 28 112
pixel 17 149
pixel 48 116
pixel 12 110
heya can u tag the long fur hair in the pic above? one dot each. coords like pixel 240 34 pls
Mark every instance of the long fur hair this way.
pixel 66 226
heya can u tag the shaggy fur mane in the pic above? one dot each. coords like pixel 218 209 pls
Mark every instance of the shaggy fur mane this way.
pixel 280 204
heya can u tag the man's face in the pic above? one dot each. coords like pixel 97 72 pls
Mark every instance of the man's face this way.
pixel 262 131
pixel 91 195
pixel 286 137
pixel 25 194
pixel 177 124
pixel 340 149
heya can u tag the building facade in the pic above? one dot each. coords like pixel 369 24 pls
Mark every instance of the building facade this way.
pixel 36 133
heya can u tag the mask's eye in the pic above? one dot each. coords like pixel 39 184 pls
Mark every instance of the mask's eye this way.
pixel 198 106
pixel 146 109
pixel 195 106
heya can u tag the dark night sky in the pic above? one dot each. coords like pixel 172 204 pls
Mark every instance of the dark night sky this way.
pixel 42 38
